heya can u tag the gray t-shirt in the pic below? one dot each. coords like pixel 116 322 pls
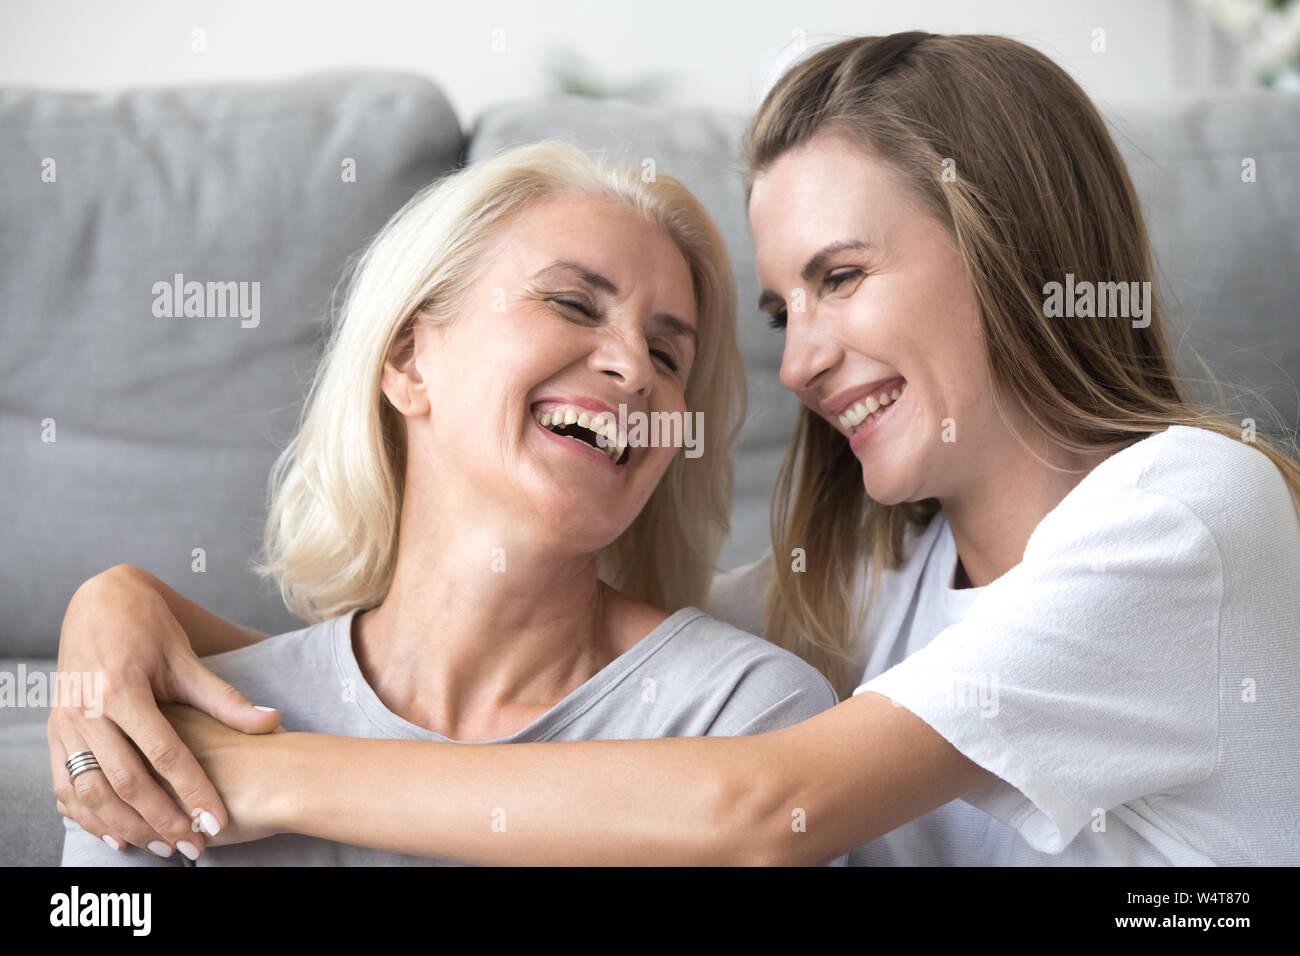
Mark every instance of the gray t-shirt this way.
pixel 692 676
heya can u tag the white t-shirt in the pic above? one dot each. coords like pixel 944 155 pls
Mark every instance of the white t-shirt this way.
pixel 1134 682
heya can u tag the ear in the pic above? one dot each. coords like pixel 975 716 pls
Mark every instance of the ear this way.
pixel 401 381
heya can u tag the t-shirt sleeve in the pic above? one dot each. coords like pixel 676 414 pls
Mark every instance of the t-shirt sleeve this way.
pixel 85 849
pixel 775 695
pixel 1087 675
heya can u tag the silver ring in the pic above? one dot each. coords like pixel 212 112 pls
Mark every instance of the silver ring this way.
pixel 72 774
pixel 80 762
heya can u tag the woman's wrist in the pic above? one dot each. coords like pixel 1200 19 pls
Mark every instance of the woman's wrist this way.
pixel 283 798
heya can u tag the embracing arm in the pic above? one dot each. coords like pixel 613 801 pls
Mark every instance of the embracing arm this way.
pixel 143 639
pixel 207 633
pixel 849 774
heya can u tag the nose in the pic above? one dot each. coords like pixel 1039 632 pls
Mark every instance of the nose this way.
pixel 809 352
pixel 626 358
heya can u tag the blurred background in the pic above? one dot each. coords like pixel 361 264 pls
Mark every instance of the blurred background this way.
pixel 681 53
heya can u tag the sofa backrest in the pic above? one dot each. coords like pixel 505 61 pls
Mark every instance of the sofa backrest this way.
pixel 129 431
pixel 165 427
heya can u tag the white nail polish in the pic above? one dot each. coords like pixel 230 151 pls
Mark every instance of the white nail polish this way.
pixel 269 710
pixel 209 823
pixel 158 848
pixel 188 849
pixel 112 842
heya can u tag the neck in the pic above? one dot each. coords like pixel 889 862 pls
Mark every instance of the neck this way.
pixel 992 518
pixel 482 630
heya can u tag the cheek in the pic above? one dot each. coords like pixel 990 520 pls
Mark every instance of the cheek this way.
pixel 653 470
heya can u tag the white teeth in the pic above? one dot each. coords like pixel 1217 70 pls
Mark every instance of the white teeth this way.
pixel 604 425
pixel 851 418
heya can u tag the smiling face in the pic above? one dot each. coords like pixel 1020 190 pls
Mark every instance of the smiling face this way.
pixel 581 306
pixel 887 310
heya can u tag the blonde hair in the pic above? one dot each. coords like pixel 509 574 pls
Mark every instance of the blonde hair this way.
pixel 336 490
pixel 1040 191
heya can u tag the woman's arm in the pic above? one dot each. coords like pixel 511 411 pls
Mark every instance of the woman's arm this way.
pixel 801 795
pixel 128 628
pixel 207 633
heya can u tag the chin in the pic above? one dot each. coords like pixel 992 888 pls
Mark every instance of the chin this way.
pixel 888 489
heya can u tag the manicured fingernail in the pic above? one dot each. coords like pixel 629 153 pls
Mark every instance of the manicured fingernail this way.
pixel 209 823
pixel 112 842
pixel 160 849
pixel 269 710
pixel 189 849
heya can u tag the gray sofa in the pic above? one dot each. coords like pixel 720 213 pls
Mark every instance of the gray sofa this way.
pixel 129 437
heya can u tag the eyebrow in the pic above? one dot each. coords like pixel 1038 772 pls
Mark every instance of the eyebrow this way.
pixel 601 284
pixel 814 265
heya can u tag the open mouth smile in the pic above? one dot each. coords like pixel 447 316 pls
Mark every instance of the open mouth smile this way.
pixel 590 431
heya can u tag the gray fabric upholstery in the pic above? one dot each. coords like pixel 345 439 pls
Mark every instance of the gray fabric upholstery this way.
pixel 1226 250
pixel 166 428
pixel 30 826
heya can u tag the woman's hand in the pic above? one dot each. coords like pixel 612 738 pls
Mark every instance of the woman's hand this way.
pixel 120 631
pixel 237 763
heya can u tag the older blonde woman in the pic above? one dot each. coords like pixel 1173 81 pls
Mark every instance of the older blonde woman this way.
pixel 485 546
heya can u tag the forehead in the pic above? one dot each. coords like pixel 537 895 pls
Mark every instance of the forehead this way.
pixel 603 237
pixel 825 190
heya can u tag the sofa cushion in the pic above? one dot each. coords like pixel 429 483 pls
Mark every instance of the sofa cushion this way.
pixel 30 830
pixel 30 827
pixel 130 430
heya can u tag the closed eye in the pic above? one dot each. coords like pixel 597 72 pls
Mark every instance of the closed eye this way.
pixel 665 357
pixel 575 304
pixel 585 310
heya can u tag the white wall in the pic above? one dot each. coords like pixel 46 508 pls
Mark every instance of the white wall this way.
pixel 718 54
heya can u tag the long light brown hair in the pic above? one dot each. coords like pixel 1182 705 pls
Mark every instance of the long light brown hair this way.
pixel 1039 191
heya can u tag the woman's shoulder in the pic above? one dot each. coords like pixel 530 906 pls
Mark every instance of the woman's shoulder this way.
pixel 1200 476
pixel 303 652
pixel 718 652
